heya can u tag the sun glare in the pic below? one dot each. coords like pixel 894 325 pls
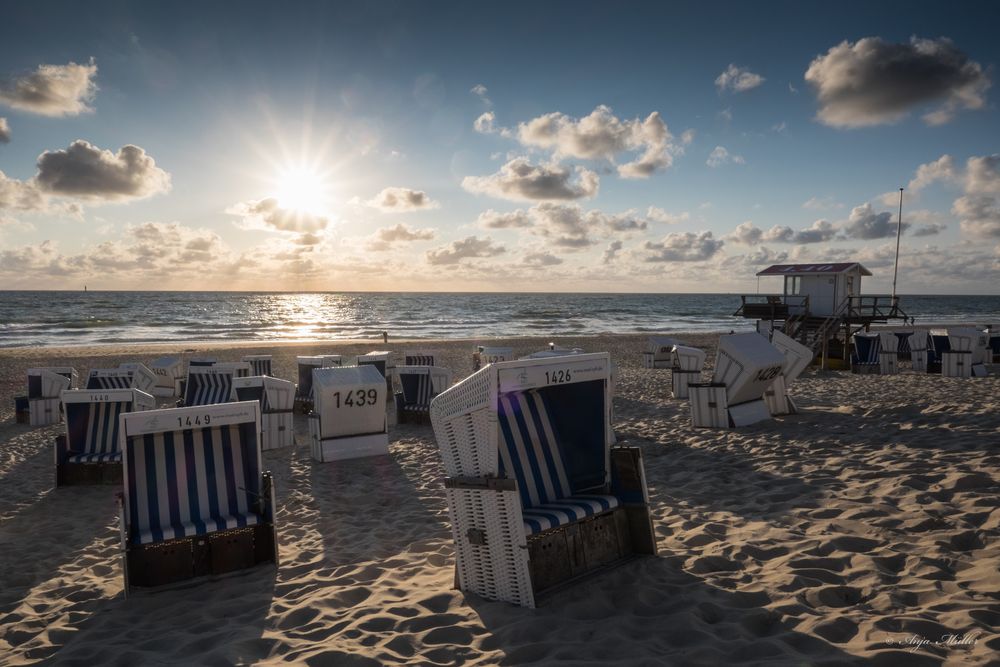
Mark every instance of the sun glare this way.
pixel 303 189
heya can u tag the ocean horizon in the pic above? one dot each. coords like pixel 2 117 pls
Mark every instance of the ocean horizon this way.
pixel 47 318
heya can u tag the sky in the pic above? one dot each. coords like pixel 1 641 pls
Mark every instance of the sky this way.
pixel 521 146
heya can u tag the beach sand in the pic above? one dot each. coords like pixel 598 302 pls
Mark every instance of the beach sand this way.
pixel 848 533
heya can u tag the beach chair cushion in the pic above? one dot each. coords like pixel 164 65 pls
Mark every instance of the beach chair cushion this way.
pixel 565 511
pixel 188 483
pixel 93 430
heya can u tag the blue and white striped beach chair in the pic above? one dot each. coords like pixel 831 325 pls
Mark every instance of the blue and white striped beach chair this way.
pixel 208 385
pixel 109 378
pixel 537 496
pixel 865 354
pixel 89 452
pixel 417 385
pixel 260 364
pixel 196 500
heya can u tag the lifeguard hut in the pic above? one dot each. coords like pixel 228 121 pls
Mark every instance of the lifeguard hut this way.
pixel 821 306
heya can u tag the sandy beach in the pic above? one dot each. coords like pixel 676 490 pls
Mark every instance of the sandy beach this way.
pixel 863 530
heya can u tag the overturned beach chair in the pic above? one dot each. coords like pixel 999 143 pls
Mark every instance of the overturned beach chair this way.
pixel 966 349
pixel 797 359
pixel 260 364
pixel 306 366
pixel 196 501
pixel 169 372
pixel 490 354
pixel 537 496
pixel 659 351
pixel 126 376
pixel 40 406
pixel 89 452
pixel 416 386
pixel 745 366
pixel 208 385
pixel 865 355
pixel 685 367
pixel 277 400
pixel 348 419
pixel 143 377
pixel 919 342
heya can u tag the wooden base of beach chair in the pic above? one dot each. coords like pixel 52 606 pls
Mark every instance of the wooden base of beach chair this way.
pixel 173 561
pixel 89 474
pixel 349 447
pixel 563 554
pixel 866 369
pixel 413 416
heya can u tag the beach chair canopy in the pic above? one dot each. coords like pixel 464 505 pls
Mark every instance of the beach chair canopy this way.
pixel 143 378
pixel 382 360
pixel 49 382
pixel 866 348
pixel 797 356
pixel 419 384
pixel 349 400
pixel 490 354
pixel 260 364
pixel 92 421
pixel 273 394
pixel 308 364
pixel 966 339
pixel 747 364
pixel 418 359
pixel 685 358
pixel 109 378
pixel 662 346
pixel 918 341
pixel 207 385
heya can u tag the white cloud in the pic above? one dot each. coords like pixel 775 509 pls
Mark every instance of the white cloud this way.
pixel 19 195
pixel 52 90
pixel 682 247
pixel 491 219
pixel 565 225
pixel 268 214
pixel 737 79
pixel 864 223
pixel 603 136
pixel 541 259
pixel 4 131
pixel 519 180
pixel 485 124
pixel 874 82
pixel 480 91
pixel 720 156
pixel 384 238
pixel 88 172
pixel 467 248
pixel 401 200
pixel 659 215
pixel 821 203
pixel 611 252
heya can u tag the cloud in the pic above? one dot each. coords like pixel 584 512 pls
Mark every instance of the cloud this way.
pixel 19 195
pixel 541 259
pixel 611 252
pixel 874 82
pixel 86 171
pixel 683 247
pixel 737 79
pixel 485 124
pixel 603 136
pixel 720 156
pixel 401 200
pixel 519 180
pixel 978 208
pixel 4 131
pixel 467 248
pixel 480 91
pixel 821 203
pixel 659 215
pixel 268 214
pixel 52 90
pixel 491 219
pixel 384 238
pixel 864 223
pixel 748 234
pixel 565 225
pixel 930 229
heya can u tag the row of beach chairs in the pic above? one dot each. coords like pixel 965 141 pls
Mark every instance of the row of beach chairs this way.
pixel 955 352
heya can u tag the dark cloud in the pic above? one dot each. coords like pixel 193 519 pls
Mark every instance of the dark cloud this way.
pixel 52 90
pixel 865 224
pixel 873 82
pixel 520 180
pixel 86 171
pixel 467 248
pixel 611 252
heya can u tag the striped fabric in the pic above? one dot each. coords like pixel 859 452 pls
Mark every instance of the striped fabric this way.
pixel 904 341
pixel 865 349
pixel 529 449
pixel 208 388
pixel 93 431
pixel 260 366
pixel 123 381
pixel 565 511
pixel 419 360
pixel 194 482
pixel 418 390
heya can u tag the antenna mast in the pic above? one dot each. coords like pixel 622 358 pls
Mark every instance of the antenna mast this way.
pixel 899 231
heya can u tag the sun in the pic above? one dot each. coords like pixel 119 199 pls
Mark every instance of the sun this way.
pixel 303 189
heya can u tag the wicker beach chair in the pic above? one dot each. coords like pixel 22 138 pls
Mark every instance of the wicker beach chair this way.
pixel 685 367
pixel 277 400
pixel 797 359
pixel 260 364
pixel 865 354
pixel 965 354
pixel 143 378
pixel 306 366
pixel 196 500
pixel 919 343
pixel 207 385
pixel 40 406
pixel 169 372
pixel 385 361
pixel 658 352
pixel 415 387
pixel 89 452
pixel 348 419
pixel 537 495
pixel 745 367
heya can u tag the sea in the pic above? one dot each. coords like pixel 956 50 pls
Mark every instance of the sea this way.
pixel 95 317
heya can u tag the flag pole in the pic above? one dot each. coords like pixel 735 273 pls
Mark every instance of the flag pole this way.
pixel 899 231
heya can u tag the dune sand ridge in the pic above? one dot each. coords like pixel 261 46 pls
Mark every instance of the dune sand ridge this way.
pixel 862 530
